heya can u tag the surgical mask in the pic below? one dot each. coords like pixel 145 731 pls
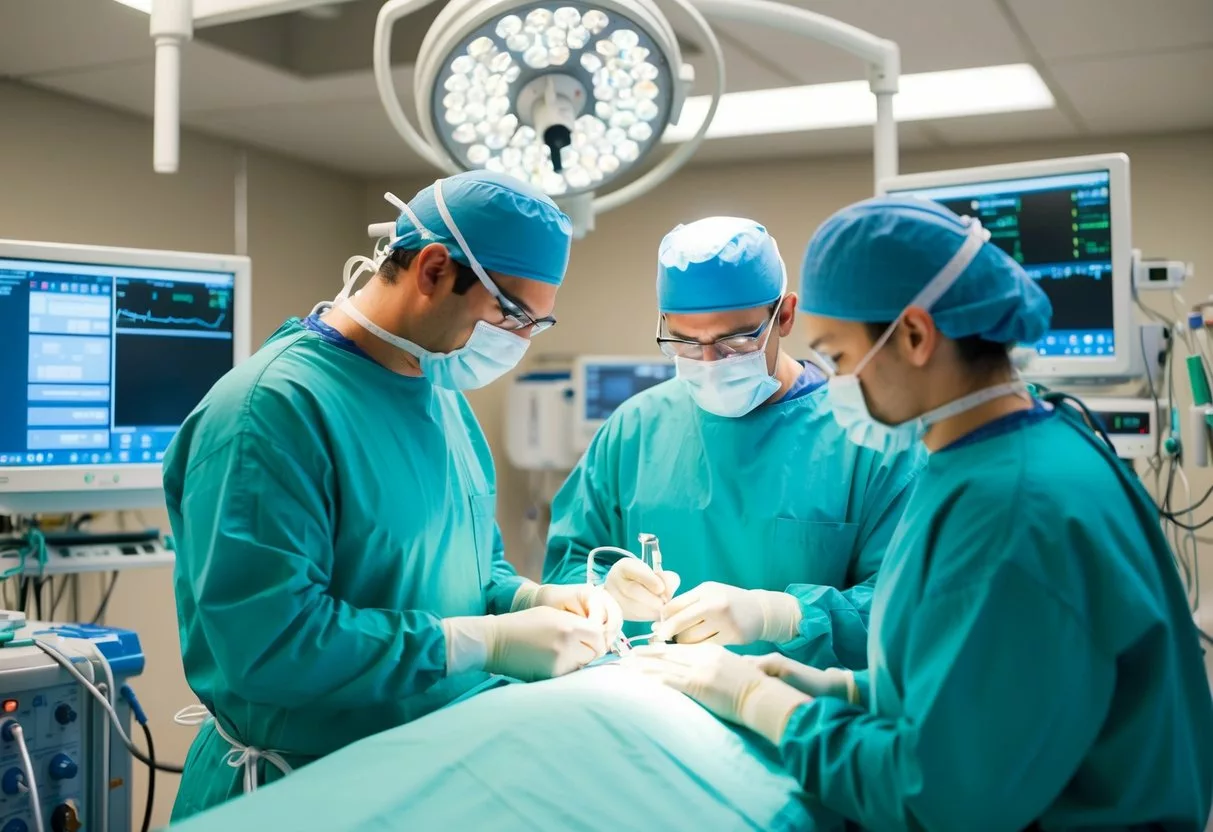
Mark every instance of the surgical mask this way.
pixel 733 386
pixel 490 351
pixel 845 394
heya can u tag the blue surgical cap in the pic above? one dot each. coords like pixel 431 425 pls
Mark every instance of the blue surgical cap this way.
pixel 512 228
pixel 868 261
pixel 718 264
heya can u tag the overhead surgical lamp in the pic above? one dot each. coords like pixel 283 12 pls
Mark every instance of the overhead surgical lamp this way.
pixel 572 96
pixel 569 95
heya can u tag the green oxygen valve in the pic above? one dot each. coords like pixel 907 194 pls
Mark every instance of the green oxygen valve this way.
pixel 1199 381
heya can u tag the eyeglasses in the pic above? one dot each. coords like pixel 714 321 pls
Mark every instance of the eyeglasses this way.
pixel 740 344
pixel 515 318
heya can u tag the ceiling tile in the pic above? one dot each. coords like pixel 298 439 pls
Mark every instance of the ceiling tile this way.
pixel 932 35
pixel 351 136
pixel 1062 29
pixel 38 36
pixel 1003 127
pixel 1144 94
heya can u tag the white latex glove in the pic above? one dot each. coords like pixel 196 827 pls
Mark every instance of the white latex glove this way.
pixel 722 614
pixel 728 685
pixel 833 681
pixel 538 643
pixel 590 602
pixel 640 592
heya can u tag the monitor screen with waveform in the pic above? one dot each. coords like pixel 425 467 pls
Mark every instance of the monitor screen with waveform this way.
pixel 1059 229
pixel 109 359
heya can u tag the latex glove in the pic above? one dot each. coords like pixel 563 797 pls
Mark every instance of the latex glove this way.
pixel 591 602
pixel 834 681
pixel 722 614
pixel 728 685
pixel 538 643
pixel 640 592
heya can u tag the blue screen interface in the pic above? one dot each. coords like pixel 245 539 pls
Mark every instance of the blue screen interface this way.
pixel 101 364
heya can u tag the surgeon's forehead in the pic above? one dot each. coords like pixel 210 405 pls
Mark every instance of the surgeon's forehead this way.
pixel 826 334
pixel 711 326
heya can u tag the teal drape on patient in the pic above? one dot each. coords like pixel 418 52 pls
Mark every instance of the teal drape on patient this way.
pixel 1032 655
pixel 604 749
pixel 777 499
pixel 327 513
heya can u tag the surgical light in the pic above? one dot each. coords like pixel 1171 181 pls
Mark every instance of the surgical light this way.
pixel 569 96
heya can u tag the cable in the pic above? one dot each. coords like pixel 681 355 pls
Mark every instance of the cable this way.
pixel 30 781
pixel 151 779
pixel 64 662
pixel 105 599
pixel 128 693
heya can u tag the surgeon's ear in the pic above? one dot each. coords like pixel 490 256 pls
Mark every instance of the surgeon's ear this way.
pixel 919 337
pixel 787 315
pixel 430 266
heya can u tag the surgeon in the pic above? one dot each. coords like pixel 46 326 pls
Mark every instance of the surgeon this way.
pixel 339 568
pixel 1033 661
pixel 773 525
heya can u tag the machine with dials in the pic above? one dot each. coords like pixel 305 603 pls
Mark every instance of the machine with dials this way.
pixel 82 773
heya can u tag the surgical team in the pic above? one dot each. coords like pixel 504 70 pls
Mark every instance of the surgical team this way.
pixel 943 600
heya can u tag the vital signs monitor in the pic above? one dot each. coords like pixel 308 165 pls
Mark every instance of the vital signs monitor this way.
pixel 1067 222
pixel 105 351
pixel 602 383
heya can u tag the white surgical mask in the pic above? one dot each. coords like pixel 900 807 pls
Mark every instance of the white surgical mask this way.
pixel 845 394
pixel 490 351
pixel 731 386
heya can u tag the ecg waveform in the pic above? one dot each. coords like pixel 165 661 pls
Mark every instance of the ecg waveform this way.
pixel 170 320
pixel 173 305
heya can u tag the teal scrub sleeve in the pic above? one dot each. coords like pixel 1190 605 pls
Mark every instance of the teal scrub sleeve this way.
pixel 257 521
pixel 585 514
pixel 833 630
pixel 1003 695
pixel 504 579
pixel 863 686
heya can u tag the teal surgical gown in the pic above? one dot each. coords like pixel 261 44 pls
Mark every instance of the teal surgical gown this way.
pixel 1032 657
pixel 777 499
pixel 328 513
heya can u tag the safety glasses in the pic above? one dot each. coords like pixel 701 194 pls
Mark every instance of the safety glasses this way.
pixel 730 345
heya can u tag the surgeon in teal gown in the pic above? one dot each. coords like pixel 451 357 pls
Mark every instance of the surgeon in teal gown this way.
pixel 770 522
pixel 1033 663
pixel 339 566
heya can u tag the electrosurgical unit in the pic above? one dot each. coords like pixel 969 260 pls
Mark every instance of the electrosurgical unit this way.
pixel 61 768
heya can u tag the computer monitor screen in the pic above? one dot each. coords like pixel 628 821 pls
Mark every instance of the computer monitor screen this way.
pixel 1059 229
pixel 104 361
pixel 611 383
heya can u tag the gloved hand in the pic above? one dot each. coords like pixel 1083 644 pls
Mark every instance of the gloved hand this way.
pixel 640 592
pixel 723 614
pixel 833 681
pixel 537 643
pixel 591 602
pixel 728 685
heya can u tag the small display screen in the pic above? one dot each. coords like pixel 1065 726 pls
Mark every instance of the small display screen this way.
pixel 609 385
pixel 1124 422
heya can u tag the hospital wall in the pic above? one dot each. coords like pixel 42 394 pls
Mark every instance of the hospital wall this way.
pixel 74 172
pixel 607 304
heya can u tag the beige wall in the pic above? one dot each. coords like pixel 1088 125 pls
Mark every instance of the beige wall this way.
pixel 607 304
pixel 70 171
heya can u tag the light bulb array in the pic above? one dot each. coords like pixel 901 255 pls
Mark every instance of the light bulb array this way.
pixel 618 64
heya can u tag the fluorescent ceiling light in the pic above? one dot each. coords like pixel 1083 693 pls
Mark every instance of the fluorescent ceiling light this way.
pixel 925 95
pixel 144 6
